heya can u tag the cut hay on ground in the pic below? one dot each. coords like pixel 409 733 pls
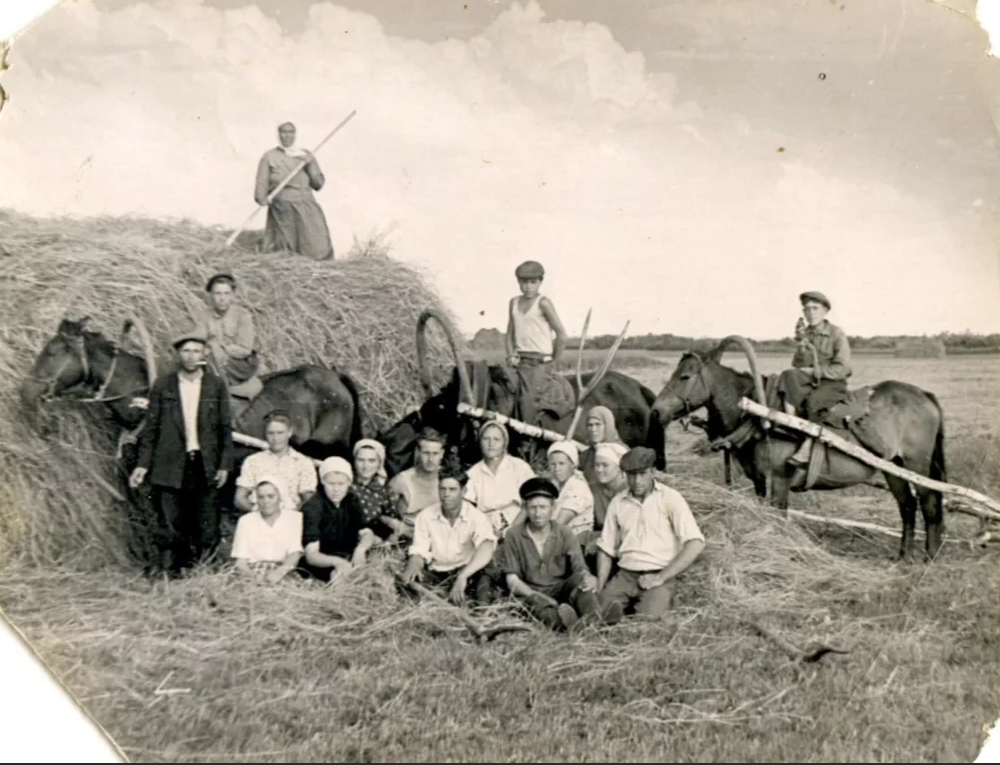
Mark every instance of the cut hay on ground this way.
pixel 218 668
pixel 357 314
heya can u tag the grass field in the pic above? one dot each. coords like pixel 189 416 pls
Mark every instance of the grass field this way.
pixel 213 668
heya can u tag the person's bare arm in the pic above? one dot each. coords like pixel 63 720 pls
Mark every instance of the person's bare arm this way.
pixel 287 566
pixel 518 587
pixel 480 560
pixel 603 569
pixel 242 500
pixel 509 337
pixel 688 554
pixel 320 560
pixel 549 312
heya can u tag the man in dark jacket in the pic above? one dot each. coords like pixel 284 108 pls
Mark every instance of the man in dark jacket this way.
pixel 186 449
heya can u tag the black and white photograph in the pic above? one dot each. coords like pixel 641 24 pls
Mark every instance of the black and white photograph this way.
pixel 504 381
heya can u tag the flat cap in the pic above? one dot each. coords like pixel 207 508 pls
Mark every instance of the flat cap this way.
pixel 818 297
pixel 192 335
pixel 539 486
pixel 638 459
pixel 529 269
pixel 223 277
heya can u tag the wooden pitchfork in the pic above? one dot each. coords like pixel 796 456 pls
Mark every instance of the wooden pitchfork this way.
pixel 596 380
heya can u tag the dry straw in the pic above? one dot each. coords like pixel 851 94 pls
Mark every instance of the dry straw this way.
pixel 357 313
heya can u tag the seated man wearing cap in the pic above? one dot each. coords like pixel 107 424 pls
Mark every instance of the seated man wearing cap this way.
pixel 820 369
pixel 335 533
pixel 186 447
pixel 268 540
pixel 543 562
pixel 453 542
pixel 652 533
pixel 535 342
pixel 232 337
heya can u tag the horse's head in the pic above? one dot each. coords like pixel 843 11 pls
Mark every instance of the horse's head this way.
pixel 62 366
pixel 689 388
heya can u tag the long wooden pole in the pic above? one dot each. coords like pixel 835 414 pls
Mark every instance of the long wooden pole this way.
pixel 240 438
pixel 521 427
pixel 286 181
pixel 861 525
pixel 862 454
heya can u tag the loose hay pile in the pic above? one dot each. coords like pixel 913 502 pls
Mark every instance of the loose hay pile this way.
pixel 356 673
pixel 357 314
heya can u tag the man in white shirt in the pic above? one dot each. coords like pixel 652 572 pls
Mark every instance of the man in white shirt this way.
pixel 268 539
pixel 453 543
pixel 296 471
pixel 652 533
pixel 186 451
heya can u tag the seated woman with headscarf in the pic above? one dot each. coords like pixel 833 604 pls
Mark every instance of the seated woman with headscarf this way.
pixel 600 429
pixel 370 486
pixel 575 504
pixel 335 535
pixel 495 481
pixel 609 479
pixel 268 539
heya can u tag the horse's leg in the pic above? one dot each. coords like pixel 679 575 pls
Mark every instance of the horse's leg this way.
pixel 908 510
pixel 932 506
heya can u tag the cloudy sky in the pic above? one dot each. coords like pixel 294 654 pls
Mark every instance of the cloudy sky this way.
pixel 688 165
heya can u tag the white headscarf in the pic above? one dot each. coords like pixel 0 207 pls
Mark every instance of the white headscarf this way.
pixel 610 452
pixel 336 465
pixel 568 448
pixel 277 483
pixel 371 443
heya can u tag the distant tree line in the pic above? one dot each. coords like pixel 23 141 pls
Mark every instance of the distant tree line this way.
pixel 965 342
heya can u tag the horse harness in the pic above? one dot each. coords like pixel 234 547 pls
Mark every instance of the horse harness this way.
pixel 79 351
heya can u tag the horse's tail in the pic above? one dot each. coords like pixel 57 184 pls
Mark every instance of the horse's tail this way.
pixel 656 434
pixel 938 471
pixel 356 421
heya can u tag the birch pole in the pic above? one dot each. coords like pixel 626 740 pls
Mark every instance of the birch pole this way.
pixel 862 454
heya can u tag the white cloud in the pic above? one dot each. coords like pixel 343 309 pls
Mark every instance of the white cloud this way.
pixel 536 138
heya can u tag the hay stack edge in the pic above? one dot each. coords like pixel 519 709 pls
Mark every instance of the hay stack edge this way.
pixel 357 314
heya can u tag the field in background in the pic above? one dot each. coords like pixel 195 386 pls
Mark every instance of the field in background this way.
pixel 212 669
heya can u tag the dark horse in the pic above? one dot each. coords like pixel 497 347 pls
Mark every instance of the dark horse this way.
pixel 894 420
pixel 323 404
pixel 496 387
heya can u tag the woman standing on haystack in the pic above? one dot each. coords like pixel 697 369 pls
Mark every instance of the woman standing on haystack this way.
pixel 295 221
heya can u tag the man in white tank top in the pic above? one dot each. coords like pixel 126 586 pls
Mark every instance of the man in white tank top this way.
pixel 536 340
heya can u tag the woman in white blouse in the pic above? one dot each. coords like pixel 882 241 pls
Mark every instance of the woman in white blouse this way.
pixel 495 481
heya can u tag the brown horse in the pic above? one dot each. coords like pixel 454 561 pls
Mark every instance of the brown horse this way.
pixel 893 420
pixel 497 387
pixel 323 404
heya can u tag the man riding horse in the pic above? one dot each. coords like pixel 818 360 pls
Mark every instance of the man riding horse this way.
pixel 820 369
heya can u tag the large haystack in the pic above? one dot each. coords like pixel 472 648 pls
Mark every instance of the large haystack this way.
pixel 358 314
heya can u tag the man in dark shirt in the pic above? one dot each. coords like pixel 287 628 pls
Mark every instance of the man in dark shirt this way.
pixel 543 561
pixel 335 535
